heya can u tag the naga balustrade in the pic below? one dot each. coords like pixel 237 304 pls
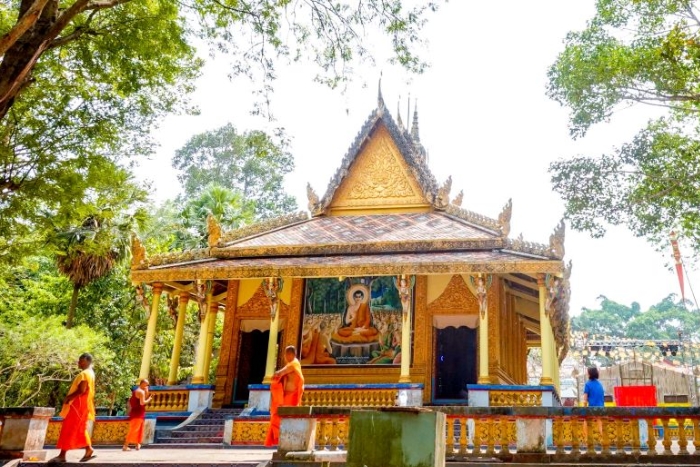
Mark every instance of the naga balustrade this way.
pixel 510 433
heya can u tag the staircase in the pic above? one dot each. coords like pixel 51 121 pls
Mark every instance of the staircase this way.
pixel 205 431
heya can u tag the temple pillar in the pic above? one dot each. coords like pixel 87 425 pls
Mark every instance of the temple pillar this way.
pixel 211 328
pixel 405 285
pixel 545 334
pixel 150 332
pixel 272 287
pixel 481 285
pixel 198 376
pixel 179 331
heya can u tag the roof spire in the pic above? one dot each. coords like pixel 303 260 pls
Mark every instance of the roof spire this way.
pixel 414 126
pixel 398 114
pixel 380 99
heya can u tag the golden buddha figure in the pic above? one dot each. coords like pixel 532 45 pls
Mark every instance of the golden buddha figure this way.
pixel 357 324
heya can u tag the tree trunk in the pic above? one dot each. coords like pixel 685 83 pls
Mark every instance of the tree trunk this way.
pixel 73 305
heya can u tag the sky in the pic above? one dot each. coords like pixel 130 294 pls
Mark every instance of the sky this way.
pixel 484 119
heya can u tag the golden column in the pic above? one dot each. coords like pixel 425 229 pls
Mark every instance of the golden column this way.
pixel 481 285
pixel 404 285
pixel 150 331
pixel 183 299
pixel 211 327
pixel 198 376
pixel 272 287
pixel 545 334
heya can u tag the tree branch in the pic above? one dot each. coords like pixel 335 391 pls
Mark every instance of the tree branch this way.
pixel 23 24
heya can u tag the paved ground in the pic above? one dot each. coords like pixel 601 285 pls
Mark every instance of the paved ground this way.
pixel 115 455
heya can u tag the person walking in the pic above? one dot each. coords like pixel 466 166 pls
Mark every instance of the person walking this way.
pixel 137 415
pixel 78 408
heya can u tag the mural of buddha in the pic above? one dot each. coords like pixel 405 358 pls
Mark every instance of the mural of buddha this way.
pixel 358 324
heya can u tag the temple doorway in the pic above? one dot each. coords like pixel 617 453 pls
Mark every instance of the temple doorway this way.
pixel 252 355
pixel 455 364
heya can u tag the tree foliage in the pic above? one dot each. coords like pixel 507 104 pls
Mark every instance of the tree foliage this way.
pixel 634 52
pixel 251 163
pixel 661 321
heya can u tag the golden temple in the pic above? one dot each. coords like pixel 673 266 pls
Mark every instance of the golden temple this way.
pixel 388 281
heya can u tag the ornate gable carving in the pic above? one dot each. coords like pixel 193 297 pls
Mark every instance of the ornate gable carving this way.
pixel 456 298
pixel 379 177
pixel 259 306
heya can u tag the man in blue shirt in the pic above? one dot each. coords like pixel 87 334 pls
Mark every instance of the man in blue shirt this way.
pixel 593 392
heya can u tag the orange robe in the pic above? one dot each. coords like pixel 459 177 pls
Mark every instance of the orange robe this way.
pixel 76 414
pixel 279 398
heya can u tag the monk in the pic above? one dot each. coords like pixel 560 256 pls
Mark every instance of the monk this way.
pixel 78 408
pixel 286 388
pixel 137 415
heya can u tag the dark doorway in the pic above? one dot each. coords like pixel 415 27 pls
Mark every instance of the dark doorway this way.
pixel 252 356
pixel 455 364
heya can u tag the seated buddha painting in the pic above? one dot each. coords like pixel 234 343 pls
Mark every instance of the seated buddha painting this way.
pixel 354 321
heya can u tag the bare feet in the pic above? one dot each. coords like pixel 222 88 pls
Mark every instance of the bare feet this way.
pixel 126 448
pixel 138 447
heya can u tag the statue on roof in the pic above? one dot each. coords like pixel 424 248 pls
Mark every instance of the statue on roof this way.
pixel 556 240
pixel 442 199
pixel 314 201
pixel 458 199
pixel 504 218
pixel 214 229
pixel 138 252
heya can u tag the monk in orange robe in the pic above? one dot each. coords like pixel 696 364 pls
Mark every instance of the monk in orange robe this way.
pixel 286 388
pixel 78 408
pixel 137 415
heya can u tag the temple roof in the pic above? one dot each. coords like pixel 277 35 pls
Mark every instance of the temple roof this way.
pixel 383 213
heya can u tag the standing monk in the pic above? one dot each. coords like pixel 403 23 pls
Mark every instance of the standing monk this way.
pixel 286 388
pixel 78 408
pixel 137 415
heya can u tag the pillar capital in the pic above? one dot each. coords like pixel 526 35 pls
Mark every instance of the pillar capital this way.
pixel 184 296
pixel 541 280
pixel 157 287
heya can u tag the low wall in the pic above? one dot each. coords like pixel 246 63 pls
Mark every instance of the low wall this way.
pixel 104 430
pixel 22 432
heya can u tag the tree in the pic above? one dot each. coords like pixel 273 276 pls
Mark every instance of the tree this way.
pixel 82 82
pixel 610 320
pixel 252 163
pixel 634 52
pixel 91 250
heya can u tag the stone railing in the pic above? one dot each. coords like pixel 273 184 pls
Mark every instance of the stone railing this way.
pixel 345 395
pixel 189 398
pixel 23 431
pixel 500 395
pixel 530 433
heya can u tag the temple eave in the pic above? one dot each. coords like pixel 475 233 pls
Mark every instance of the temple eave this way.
pixel 340 266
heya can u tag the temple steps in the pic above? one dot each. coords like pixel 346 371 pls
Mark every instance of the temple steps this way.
pixel 206 431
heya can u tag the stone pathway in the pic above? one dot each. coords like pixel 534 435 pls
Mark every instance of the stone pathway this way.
pixel 243 457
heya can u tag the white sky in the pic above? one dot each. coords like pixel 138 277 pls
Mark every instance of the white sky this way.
pixel 484 119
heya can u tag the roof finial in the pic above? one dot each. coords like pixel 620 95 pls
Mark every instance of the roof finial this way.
pixel 414 126
pixel 398 114
pixel 380 98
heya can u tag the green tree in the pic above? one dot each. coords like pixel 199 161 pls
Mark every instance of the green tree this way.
pixel 634 52
pixel 609 320
pixel 91 250
pixel 252 163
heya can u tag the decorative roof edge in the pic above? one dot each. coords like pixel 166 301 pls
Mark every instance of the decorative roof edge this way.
pixel 174 257
pixel 473 218
pixel 262 227
pixel 560 317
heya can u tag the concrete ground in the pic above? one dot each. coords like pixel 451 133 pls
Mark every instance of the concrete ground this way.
pixel 114 455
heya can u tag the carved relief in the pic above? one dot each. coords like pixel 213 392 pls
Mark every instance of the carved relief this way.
pixel 291 330
pixel 314 205
pixel 504 218
pixel 442 200
pixel 139 259
pixel 258 306
pixel 556 240
pixel 458 199
pixel 379 176
pixel 456 298
pixel 214 230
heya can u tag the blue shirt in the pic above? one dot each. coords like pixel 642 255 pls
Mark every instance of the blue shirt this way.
pixel 595 393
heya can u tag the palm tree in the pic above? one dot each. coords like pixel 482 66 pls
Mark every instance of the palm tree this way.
pixel 90 252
